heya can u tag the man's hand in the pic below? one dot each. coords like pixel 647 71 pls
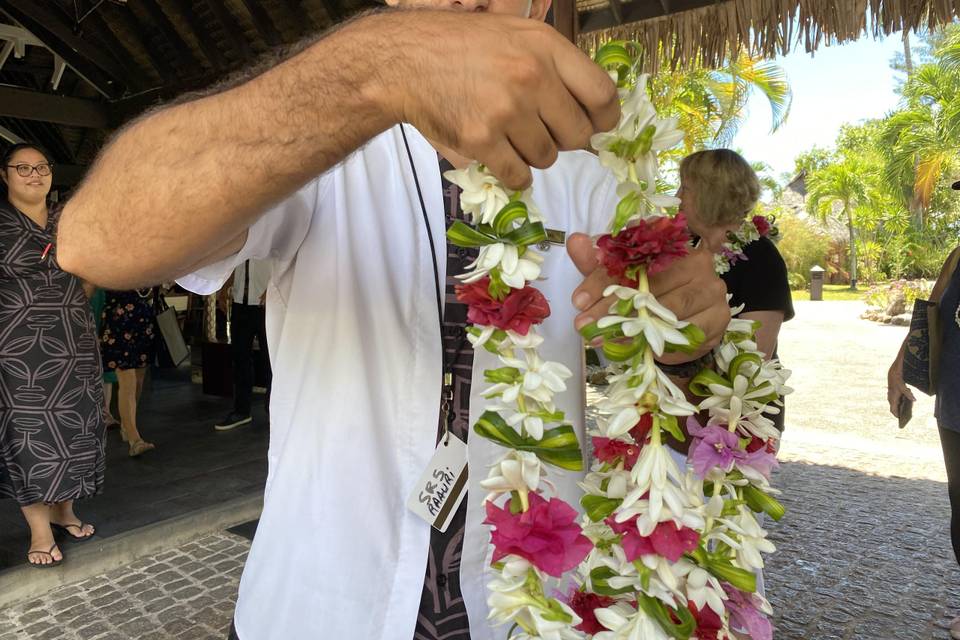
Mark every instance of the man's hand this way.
pixel 508 92
pixel 689 287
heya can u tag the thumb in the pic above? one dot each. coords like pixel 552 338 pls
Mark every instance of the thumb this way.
pixel 584 255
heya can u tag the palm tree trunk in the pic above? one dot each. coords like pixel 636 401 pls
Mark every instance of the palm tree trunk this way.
pixel 853 248
pixel 907 58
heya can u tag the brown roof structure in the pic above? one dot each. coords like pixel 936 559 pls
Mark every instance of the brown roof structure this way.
pixel 73 70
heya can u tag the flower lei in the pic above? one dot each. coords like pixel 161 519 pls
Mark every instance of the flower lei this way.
pixel 732 251
pixel 660 552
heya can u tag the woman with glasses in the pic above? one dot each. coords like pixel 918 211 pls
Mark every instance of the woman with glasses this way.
pixel 51 417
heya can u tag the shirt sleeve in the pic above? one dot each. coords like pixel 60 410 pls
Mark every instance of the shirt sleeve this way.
pixel 760 282
pixel 276 237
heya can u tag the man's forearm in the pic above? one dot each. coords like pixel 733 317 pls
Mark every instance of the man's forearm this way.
pixel 174 185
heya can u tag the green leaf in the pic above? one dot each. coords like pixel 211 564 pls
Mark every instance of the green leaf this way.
pixel 463 235
pixel 724 571
pixel 672 425
pixel 508 375
pixel 558 446
pixel 598 507
pixel 759 501
pixel 654 608
pixel 497 289
pixel 599 578
pixel 526 234
pixel 555 612
pixel 626 209
pixel 698 385
pixel 513 211
pixel 694 335
pixel 621 350
pixel 613 55
pixel 739 361
pixel 591 331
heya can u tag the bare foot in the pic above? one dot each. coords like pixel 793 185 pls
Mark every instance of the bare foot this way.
pixel 43 550
pixel 62 515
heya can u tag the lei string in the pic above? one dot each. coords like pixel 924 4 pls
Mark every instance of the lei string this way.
pixel 658 550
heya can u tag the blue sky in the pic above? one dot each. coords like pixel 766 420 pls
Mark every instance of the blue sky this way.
pixel 837 85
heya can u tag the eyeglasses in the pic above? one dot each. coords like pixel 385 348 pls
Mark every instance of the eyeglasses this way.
pixel 26 170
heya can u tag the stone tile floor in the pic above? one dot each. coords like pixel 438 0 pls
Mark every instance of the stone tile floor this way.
pixel 863 552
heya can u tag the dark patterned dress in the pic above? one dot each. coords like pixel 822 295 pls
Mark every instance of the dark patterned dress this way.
pixel 443 614
pixel 128 336
pixel 51 398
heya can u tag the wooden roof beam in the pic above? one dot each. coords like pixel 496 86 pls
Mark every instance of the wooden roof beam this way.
pixel 170 34
pixel 263 23
pixel 44 107
pixel 104 34
pixel 231 28
pixel 157 59
pixel 48 26
pixel 207 45
pixel 303 19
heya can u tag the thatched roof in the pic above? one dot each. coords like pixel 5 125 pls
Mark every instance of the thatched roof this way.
pixel 710 31
pixel 73 70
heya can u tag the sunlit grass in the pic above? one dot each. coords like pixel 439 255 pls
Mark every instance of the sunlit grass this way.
pixel 832 292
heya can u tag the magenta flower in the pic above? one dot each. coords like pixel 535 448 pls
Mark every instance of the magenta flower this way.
pixel 667 540
pixel 546 534
pixel 745 615
pixel 713 447
pixel 762 225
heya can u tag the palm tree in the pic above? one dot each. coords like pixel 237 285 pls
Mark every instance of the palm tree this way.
pixel 844 182
pixel 711 104
pixel 923 136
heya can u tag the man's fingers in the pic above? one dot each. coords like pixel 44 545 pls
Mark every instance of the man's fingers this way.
pixel 589 85
pixel 567 121
pixel 697 263
pixel 594 312
pixel 688 301
pixel 506 164
pixel 584 255
pixel 534 144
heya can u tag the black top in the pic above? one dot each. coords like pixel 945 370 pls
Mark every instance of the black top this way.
pixel 947 408
pixel 760 282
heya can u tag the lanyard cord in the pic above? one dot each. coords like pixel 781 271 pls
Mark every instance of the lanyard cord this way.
pixel 426 222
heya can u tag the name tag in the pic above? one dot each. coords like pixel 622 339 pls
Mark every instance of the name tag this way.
pixel 442 487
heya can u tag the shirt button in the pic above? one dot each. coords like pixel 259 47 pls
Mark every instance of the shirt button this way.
pixel 442 580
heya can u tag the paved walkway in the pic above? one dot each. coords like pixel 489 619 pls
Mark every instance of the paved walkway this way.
pixel 864 549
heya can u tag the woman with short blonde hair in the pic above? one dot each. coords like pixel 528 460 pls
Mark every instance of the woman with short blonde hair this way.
pixel 726 182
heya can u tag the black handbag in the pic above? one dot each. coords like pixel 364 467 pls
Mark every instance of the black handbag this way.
pixel 921 357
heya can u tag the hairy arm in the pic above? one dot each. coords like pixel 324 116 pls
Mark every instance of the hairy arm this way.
pixel 769 331
pixel 179 188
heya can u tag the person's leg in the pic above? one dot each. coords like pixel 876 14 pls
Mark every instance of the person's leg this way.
pixel 141 377
pixel 62 514
pixel 43 549
pixel 129 380
pixel 261 331
pixel 242 332
pixel 107 399
pixel 950 441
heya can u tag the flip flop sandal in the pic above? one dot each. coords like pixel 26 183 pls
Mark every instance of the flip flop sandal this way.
pixel 140 447
pixel 38 565
pixel 66 530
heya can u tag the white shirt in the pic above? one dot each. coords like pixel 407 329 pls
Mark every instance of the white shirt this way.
pixel 256 285
pixel 356 355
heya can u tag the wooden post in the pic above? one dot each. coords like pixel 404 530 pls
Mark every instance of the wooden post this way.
pixel 565 19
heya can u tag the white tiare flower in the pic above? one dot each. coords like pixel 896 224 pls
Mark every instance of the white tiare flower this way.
pixel 617 482
pixel 649 201
pixel 658 324
pixel 626 623
pixel 482 195
pixel 737 399
pixel 539 380
pixel 515 270
pixel 651 474
pixel 702 588
pixel 746 537
pixel 516 471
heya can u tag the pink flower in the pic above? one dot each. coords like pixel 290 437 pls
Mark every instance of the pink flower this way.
pixel 546 534
pixel 584 604
pixel 745 615
pixel 517 312
pixel 709 624
pixel 733 256
pixel 667 540
pixel 653 243
pixel 714 447
pixel 762 225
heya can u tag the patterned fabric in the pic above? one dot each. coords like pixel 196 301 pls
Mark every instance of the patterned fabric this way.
pixel 127 341
pixel 51 399
pixel 443 614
